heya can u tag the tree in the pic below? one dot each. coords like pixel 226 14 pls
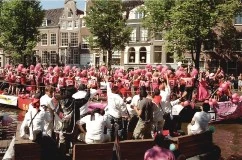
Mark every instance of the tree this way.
pixel 187 24
pixel 106 22
pixel 19 22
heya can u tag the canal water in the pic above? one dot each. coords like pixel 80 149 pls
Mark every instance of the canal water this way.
pixel 228 136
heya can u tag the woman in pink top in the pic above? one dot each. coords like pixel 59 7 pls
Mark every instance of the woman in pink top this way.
pixel 159 151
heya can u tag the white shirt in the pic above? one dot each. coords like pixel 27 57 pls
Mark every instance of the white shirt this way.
pixel 95 128
pixel 201 122
pixel 176 109
pixel 38 122
pixel 82 94
pixel 165 101
pixel 115 106
pixel 46 101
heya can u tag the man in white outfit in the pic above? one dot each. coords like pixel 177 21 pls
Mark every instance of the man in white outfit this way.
pixel 115 109
pixel 47 105
pixel 200 121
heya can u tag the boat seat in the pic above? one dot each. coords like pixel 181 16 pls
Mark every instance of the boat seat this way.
pixel 26 149
pixel 129 150
pixel 193 145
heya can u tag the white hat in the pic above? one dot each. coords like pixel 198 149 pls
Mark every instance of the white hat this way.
pixel 211 74
pixel 128 99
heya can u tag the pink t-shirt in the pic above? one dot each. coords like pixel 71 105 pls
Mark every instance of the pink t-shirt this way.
pixel 158 153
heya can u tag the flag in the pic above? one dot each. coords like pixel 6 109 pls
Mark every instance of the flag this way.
pixel 116 147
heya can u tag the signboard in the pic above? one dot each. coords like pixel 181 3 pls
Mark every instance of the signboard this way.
pixel 9 100
pixel 227 110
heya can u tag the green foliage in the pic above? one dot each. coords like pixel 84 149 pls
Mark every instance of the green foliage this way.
pixel 189 23
pixel 19 22
pixel 106 22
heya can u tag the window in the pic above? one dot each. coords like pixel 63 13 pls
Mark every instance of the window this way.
pixel 76 24
pixel 74 39
pixel 53 57
pixel 76 57
pixel 238 19
pixel 142 55
pixel 131 53
pixel 139 15
pixel 133 35
pixel 158 36
pixel 85 44
pixel 44 57
pixel 69 25
pixel 169 57
pixel 63 25
pixel 44 39
pixel 53 39
pixel 157 54
pixel 62 52
pixel 44 23
pixel 69 14
pixel 64 39
pixel 144 34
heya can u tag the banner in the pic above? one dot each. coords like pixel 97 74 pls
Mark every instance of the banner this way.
pixel 9 100
pixel 23 103
pixel 227 110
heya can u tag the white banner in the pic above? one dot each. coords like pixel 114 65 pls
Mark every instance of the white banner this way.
pixel 9 100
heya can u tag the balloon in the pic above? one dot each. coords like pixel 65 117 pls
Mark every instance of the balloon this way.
pixel 194 72
pixel 210 103
pixel 159 67
pixel 186 103
pixel 148 74
pixel 214 101
pixel 143 71
pixel 120 74
pixel 235 100
pixel 172 147
pixel 148 66
pixel 169 71
pixel 211 129
pixel 50 69
pixel 235 95
pixel 220 89
pixel 240 98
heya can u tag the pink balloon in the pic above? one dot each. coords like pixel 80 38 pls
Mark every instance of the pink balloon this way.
pixel 148 74
pixel 186 103
pixel 220 89
pixel 210 103
pixel 235 95
pixel 235 100
pixel 159 67
pixel 240 98
pixel 214 101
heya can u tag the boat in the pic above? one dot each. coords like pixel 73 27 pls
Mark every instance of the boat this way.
pixel 224 111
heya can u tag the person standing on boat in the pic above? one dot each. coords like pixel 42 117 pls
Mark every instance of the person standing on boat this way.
pixel 46 104
pixel 115 109
pixel 71 114
pixel 145 112
pixel 200 120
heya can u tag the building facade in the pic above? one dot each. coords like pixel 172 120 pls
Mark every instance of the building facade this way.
pixel 142 49
pixel 60 39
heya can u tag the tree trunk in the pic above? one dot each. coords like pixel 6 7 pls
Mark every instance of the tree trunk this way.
pixel 110 59
pixel 198 52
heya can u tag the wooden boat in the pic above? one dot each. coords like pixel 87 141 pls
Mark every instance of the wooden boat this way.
pixel 189 146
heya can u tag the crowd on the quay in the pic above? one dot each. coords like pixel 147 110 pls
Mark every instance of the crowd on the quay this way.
pixel 147 100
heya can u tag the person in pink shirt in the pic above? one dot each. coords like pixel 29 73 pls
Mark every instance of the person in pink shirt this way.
pixel 159 151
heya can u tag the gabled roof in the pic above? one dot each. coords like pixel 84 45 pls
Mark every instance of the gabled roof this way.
pixel 53 15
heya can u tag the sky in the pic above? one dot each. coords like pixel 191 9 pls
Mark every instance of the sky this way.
pixel 51 4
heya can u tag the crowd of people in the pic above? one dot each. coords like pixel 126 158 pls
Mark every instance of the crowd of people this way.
pixel 147 100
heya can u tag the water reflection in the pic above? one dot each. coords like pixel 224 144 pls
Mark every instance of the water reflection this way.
pixel 228 136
